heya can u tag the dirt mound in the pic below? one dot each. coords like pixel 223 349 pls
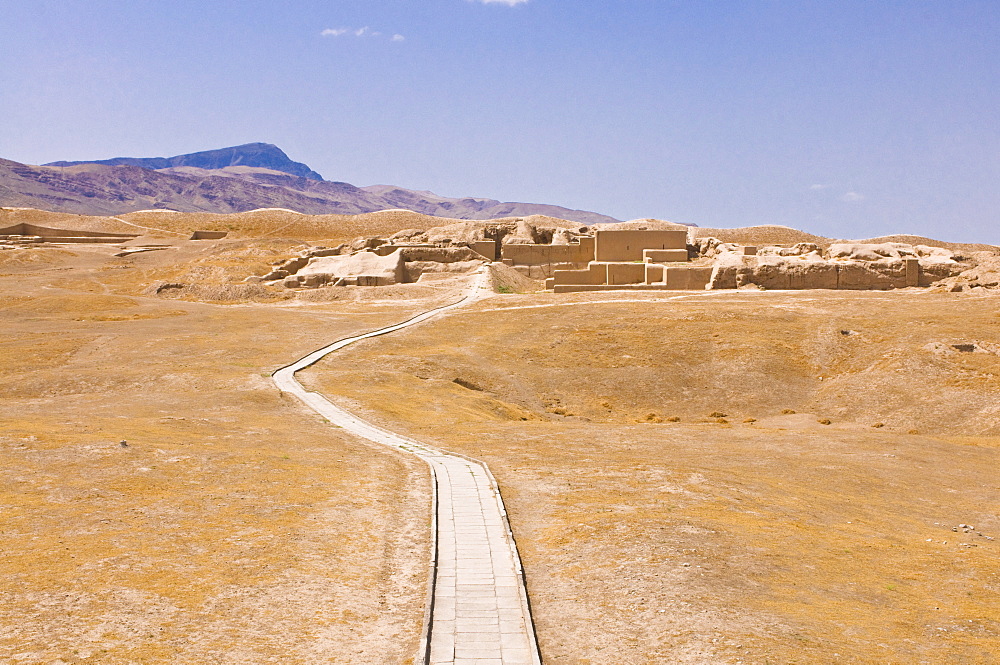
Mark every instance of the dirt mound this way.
pixel 33 258
pixel 642 225
pixel 287 224
pixel 505 279
pixel 66 221
pixel 963 247
pixel 545 220
pixel 768 234
pixel 269 222
pixel 984 274
pixel 773 234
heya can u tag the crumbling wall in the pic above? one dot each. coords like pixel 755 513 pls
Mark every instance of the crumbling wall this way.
pixel 626 245
pixel 853 266
pixel 536 255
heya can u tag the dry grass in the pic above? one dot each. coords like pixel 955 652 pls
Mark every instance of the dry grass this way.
pixel 768 234
pixel 244 225
pixel 777 539
pixel 235 527
pixel 772 234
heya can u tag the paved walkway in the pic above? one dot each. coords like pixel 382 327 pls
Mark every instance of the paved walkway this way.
pixel 479 610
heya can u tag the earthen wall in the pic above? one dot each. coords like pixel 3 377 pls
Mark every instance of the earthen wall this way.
pixel 627 245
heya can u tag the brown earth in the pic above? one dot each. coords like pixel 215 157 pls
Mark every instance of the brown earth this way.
pixel 233 526
pixel 773 234
pixel 253 224
pixel 667 506
pixel 742 532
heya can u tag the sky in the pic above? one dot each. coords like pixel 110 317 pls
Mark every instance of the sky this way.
pixel 844 118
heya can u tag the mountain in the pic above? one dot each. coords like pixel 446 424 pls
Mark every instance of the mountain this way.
pixel 237 179
pixel 261 155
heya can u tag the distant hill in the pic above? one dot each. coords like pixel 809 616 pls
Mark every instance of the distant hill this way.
pixel 230 180
pixel 261 155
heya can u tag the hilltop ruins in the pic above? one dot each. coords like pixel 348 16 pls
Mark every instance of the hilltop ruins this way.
pixel 564 257
pixel 635 256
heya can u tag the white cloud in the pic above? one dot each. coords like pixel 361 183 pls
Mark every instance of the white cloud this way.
pixel 509 3
pixel 852 197
pixel 359 33
pixel 818 188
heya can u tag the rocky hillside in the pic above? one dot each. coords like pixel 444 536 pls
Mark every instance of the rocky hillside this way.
pixel 230 180
pixel 261 155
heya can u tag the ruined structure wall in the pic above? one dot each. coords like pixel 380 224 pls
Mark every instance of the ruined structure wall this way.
pixel 665 255
pixel 873 275
pixel 628 245
pixel 534 255
pixel 486 248
pixel 25 229
pixel 594 273
pixel 687 278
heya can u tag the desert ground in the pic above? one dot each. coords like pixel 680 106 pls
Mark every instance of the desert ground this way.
pixel 724 478
pixel 235 527
pixel 713 477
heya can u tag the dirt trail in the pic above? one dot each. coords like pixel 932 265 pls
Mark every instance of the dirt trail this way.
pixel 478 610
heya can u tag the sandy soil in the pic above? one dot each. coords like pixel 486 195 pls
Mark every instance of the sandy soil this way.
pixel 725 477
pixel 255 224
pixel 671 507
pixel 234 526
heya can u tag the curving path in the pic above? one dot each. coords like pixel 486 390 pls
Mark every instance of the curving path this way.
pixel 478 610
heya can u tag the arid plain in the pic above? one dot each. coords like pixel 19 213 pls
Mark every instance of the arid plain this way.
pixel 702 477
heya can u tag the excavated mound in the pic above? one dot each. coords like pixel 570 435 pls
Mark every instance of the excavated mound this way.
pixel 963 247
pixel 283 223
pixel 505 279
pixel 65 221
pixel 768 234
pixel 985 274
pixel 642 225
pixel 274 222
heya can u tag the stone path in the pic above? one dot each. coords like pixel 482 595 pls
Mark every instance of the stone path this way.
pixel 478 610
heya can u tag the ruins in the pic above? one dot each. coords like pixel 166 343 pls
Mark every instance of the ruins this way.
pixel 654 256
pixel 27 234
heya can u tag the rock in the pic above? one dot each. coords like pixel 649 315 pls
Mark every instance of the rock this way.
pixel 294 265
pixel 439 254
pixel 388 269
pixel 524 233
pixel 798 249
pixel 410 235
pixel 863 251
pixel 326 252
pixel 561 237
pixel 314 280
pixel 366 243
pixel 275 274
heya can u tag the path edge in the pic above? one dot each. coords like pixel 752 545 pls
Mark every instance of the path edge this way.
pixel 310 359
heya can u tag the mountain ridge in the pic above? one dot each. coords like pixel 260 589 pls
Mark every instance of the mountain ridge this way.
pixel 265 155
pixel 230 180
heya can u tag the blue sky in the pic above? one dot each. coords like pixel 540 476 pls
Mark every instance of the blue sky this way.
pixel 848 119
